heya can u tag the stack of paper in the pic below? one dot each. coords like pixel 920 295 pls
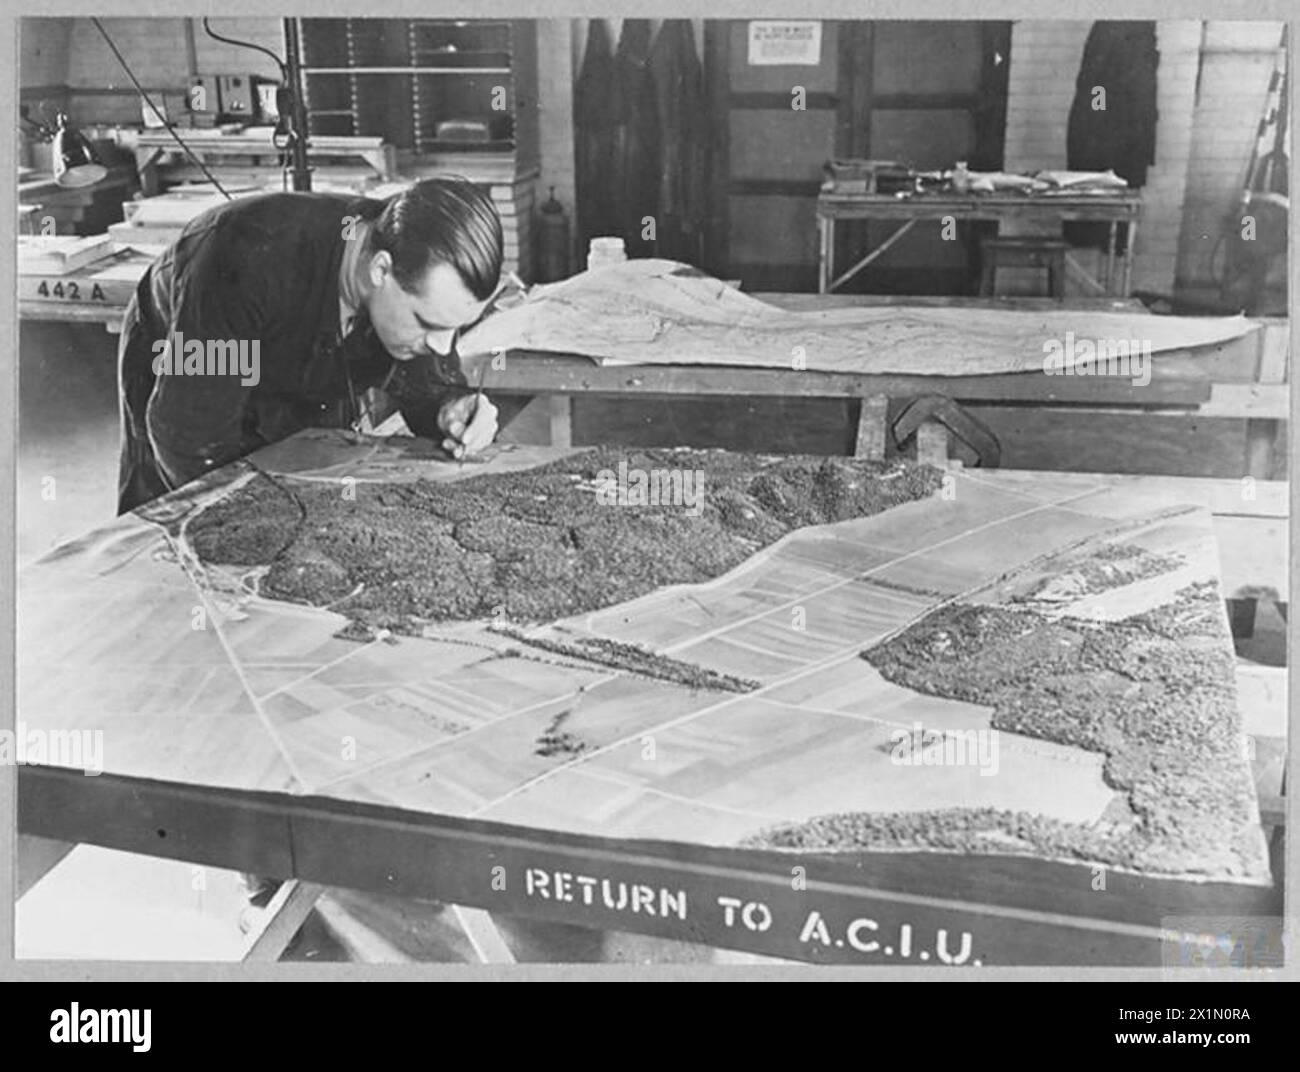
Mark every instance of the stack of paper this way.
pixel 60 254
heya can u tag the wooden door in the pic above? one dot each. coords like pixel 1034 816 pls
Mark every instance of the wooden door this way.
pixel 924 93
pixel 768 158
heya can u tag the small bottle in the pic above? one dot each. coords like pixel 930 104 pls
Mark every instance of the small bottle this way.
pixel 604 251
pixel 960 177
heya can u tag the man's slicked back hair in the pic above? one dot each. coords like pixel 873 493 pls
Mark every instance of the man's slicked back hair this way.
pixel 442 221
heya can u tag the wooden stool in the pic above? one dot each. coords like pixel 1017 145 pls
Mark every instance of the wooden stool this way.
pixel 1024 251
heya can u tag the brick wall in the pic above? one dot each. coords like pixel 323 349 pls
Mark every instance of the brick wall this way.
pixel 1204 134
pixel 154 48
pixel 43 48
pixel 1156 253
pixel 213 57
pixel 1235 70
pixel 1045 58
pixel 1040 89
pixel 162 53
pixel 555 77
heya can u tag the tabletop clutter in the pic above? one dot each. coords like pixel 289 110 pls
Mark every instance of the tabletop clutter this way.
pixel 891 178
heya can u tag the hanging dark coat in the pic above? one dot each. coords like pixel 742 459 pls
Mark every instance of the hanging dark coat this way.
pixel 1121 58
pixel 593 128
pixel 635 176
pixel 684 142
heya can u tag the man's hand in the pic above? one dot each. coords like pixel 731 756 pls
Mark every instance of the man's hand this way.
pixel 469 424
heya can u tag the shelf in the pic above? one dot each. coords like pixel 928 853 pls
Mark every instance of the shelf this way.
pixel 405 70
pixel 441 58
pixel 460 24
pixel 498 145
pixel 398 78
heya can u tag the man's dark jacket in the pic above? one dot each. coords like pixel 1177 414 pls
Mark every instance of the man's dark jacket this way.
pixel 266 269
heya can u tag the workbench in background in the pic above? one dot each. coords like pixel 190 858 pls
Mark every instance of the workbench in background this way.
pixel 95 294
pixel 1040 210
pixel 84 210
pixel 1218 411
pixel 158 157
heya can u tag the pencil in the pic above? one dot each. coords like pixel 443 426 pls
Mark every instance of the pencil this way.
pixel 478 397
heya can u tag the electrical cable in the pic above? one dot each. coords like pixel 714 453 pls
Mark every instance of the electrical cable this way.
pixel 162 118
pixel 284 71
pixel 282 140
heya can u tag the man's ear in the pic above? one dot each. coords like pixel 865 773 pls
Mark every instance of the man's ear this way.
pixel 381 267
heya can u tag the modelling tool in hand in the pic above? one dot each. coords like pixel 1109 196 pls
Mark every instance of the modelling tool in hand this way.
pixel 478 399
pixel 518 283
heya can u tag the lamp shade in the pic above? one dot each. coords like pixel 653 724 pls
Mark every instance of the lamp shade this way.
pixel 75 163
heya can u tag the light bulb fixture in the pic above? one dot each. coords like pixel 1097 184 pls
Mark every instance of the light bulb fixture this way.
pixel 75 162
